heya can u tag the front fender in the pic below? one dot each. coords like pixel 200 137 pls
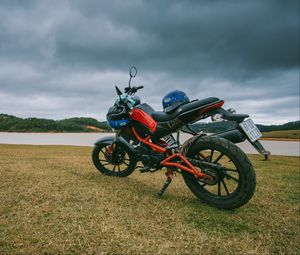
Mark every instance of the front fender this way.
pixel 106 140
pixel 113 139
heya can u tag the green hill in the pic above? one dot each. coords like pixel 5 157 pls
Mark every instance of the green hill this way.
pixel 214 127
pixel 10 123
pixel 294 125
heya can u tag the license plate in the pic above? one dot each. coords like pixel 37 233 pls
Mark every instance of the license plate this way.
pixel 251 130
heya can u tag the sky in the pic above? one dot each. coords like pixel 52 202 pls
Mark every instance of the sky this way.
pixel 61 59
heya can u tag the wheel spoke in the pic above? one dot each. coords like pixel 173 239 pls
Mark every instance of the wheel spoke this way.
pixel 111 161
pixel 224 184
pixel 230 170
pixel 233 178
pixel 218 158
pixel 203 157
pixel 211 155
pixel 225 187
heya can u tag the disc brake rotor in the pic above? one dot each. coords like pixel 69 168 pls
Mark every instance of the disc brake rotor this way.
pixel 115 156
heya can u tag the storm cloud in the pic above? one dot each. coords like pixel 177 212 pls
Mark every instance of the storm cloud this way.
pixel 62 58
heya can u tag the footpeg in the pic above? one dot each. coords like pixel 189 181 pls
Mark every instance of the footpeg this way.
pixel 169 175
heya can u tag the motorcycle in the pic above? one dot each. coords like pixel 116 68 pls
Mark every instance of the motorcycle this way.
pixel 212 166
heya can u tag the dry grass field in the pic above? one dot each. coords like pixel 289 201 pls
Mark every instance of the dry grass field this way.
pixel 283 134
pixel 53 201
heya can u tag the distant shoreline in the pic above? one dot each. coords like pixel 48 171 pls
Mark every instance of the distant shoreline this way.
pixel 52 132
pixel 280 139
pixel 263 138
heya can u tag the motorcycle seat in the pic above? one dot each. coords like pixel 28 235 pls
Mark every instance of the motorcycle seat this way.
pixel 162 116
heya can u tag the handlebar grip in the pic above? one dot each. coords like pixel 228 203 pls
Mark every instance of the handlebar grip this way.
pixel 139 87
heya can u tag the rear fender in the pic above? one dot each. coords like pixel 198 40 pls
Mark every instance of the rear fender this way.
pixel 233 135
pixel 188 143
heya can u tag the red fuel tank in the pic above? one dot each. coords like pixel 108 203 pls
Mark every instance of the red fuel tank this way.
pixel 141 116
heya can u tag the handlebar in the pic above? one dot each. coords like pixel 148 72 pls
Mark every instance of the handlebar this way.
pixel 133 89
pixel 139 87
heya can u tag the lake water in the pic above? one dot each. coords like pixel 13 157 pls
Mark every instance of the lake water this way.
pixel 288 148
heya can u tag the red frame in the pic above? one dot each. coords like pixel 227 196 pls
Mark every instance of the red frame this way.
pixel 188 167
pixel 141 116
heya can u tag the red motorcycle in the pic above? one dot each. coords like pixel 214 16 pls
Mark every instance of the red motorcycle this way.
pixel 213 167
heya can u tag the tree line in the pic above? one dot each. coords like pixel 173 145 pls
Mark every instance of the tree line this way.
pixel 10 123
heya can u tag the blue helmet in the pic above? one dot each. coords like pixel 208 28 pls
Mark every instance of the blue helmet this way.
pixel 118 124
pixel 117 117
pixel 173 100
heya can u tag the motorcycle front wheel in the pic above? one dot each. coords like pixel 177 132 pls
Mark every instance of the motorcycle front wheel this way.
pixel 233 184
pixel 114 160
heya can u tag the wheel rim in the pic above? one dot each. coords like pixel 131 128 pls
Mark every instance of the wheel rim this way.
pixel 117 161
pixel 227 181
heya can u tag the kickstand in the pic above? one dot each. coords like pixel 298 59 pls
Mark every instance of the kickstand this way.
pixel 169 175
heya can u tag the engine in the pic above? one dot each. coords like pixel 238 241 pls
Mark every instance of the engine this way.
pixel 148 157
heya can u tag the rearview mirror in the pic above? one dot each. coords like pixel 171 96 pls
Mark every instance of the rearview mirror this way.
pixel 133 71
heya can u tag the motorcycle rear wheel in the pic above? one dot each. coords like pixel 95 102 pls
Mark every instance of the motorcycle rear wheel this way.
pixel 234 185
pixel 119 162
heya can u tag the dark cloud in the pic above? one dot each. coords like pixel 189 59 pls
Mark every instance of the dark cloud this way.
pixel 73 52
pixel 189 37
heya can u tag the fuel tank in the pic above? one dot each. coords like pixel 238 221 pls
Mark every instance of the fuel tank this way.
pixel 139 115
pixel 145 124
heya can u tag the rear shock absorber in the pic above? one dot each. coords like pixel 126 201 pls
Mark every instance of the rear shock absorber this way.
pixel 170 140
